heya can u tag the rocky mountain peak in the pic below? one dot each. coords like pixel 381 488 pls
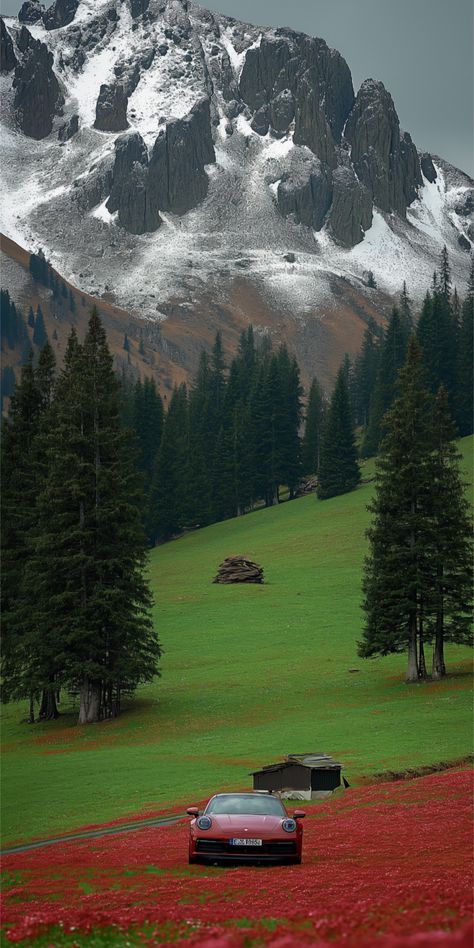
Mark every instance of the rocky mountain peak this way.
pixel 177 140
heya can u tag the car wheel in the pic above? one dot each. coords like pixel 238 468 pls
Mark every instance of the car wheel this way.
pixel 297 861
pixel 192 860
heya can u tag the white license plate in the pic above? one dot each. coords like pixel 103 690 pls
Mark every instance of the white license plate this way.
pixel 245 842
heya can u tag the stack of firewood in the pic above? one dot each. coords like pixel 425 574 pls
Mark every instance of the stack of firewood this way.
pixel 308 485
pixel 238 569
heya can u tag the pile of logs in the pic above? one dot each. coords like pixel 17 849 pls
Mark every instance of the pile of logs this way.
pixel 308 485
pixel 238 569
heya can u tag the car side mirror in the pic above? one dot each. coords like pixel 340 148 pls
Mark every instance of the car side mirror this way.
pixel 299 814
pixel 192 811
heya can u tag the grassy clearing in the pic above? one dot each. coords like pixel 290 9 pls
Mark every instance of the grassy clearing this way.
pixel 249 673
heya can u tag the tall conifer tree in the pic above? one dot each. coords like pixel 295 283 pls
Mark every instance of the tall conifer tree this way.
pixel 338 471
pixel 465 380
pixel 313 432
pixel 168 495
pixel 450 606
pixel 396 579
pixel 392 357
pixel 92 610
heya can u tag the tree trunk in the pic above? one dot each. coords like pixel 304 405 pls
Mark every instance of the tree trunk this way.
pixel 412 671
pixel 439 668
pixel 31 713
pixel 422 675
pixel 48 710
pixel 89 706
pixel 43 706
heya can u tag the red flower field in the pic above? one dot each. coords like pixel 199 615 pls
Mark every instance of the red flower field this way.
pixel 389 863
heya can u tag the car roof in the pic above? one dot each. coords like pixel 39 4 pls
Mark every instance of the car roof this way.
pixel 240 793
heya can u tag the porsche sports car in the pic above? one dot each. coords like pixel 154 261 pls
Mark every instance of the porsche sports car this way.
pixel 252 827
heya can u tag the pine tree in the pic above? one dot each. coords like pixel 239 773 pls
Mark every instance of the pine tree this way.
pixel 397 573
pixel 39 332
pixel 198 449
pixel 288 442
pixel 168 493
pixel 315 418
pixel 39 268
pixel 365 374
pixel 31 318
pixel 338 471
pixel 437 332
pixel 148 424
pixel 13 329
pixel 93 605
pixel 445 283
pixel 406 308
pixel 7 382
pixel 451 566
pixel 465 380
pixel 126 343
pixel 18 500
pixel 392 357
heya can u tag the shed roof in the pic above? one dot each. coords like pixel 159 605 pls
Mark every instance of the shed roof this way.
pixel 312 761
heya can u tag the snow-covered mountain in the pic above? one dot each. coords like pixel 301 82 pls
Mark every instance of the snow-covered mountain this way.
pixel 157 152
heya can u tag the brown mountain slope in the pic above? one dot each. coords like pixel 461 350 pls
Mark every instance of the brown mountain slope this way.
pixel 168 350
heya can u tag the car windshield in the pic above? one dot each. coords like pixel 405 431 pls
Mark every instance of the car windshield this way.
pixel 235 803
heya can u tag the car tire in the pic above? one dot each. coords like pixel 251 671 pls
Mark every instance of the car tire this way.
pixel 297 861
pixel 192 860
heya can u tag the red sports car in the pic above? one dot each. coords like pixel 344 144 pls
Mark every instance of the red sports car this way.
pixel 245 826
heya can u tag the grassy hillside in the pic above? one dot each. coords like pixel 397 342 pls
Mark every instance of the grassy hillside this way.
pixel 249 673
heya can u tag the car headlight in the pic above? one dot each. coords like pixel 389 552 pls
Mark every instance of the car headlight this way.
pixel 289 825
pixel 204 822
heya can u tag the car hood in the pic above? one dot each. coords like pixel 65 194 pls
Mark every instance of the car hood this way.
pixel 246 824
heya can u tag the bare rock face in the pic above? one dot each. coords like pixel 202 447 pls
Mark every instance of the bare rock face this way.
pixel 131 162
pixel 60 13
pixel 351 209
pixel 69 129
pixel 311 125
pixel 172 179
pixel 31 11
pixel 305 191
pixel 427 167
pixel 8 59
pixel 111 108
pixel 38 97
pixel 282 111
pixel 189 147
pixel 385 162
pixel 291 76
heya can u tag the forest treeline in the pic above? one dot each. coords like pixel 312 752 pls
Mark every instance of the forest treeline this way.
pixel 241 431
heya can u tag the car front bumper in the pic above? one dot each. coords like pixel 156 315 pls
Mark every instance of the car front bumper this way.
pixel 271 850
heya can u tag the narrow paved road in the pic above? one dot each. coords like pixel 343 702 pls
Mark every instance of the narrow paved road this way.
pixel 92 834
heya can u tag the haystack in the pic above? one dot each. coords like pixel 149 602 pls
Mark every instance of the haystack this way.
pixel 238 569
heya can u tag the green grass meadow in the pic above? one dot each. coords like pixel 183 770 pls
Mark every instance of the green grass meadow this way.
pixel 250 673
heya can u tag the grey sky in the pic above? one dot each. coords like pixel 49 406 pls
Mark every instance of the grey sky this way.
pixel 421 49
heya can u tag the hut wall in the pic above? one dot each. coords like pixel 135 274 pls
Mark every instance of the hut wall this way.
pixel 322 779
pixel 291 777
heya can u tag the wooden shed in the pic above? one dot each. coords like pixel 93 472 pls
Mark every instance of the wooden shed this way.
pixel 300 777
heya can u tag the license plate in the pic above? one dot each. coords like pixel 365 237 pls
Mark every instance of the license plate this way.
pixel 245 842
